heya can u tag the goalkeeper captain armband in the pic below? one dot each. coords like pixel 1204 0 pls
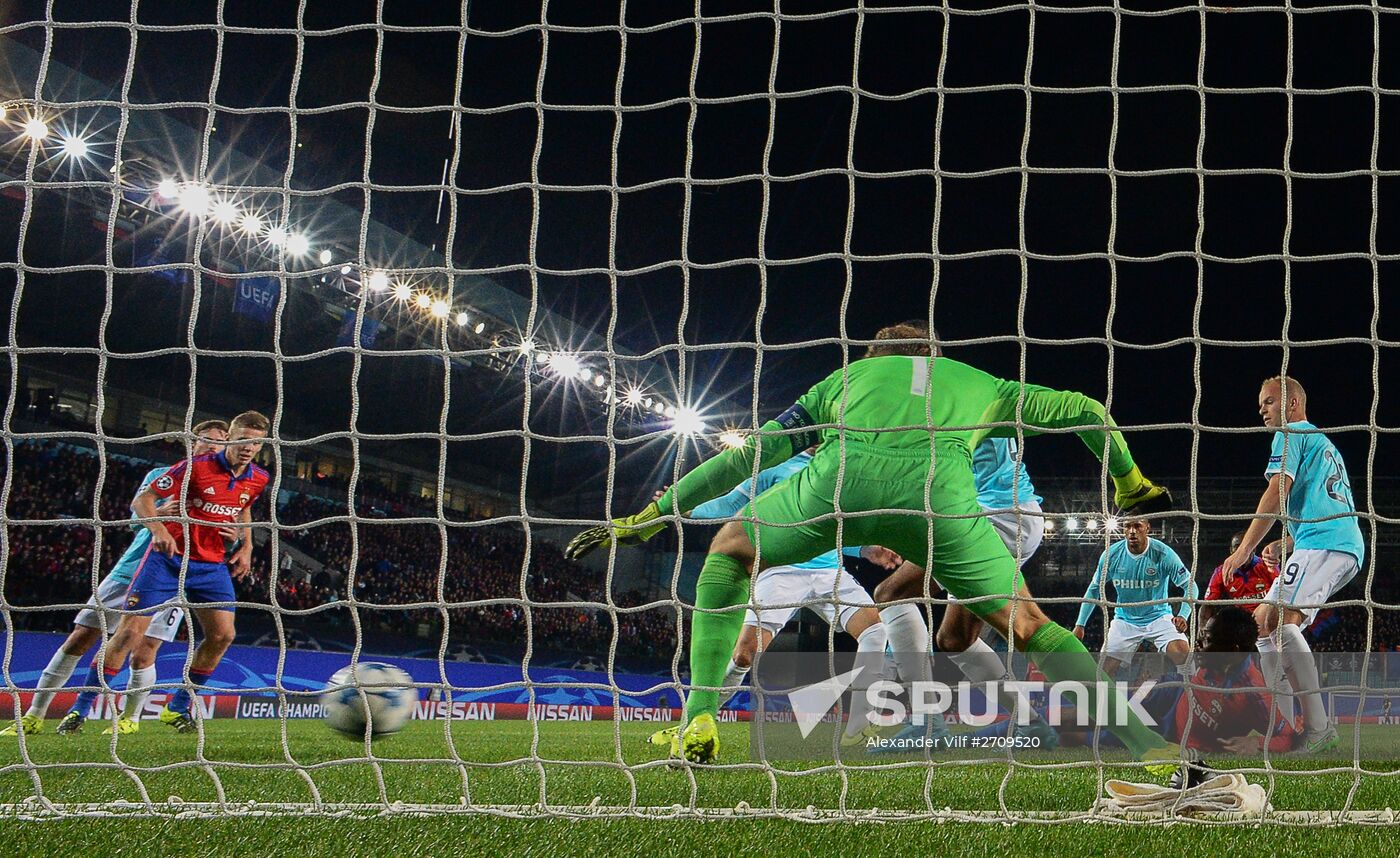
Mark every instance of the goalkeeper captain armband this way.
pixel 797 417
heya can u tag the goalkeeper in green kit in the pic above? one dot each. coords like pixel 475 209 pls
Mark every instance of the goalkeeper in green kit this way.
pixel 884 416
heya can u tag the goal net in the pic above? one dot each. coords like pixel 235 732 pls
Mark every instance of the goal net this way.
pixel 497 273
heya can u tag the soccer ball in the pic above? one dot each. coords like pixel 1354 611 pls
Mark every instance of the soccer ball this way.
pixel 379 694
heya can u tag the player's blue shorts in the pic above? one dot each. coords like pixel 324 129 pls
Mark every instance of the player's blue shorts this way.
pixel 157 581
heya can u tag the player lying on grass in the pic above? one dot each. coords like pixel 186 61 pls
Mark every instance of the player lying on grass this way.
pixel 1305 470
pixel 821 584
pixel 217 490
pixel 1140 567
pixel 1220 714
pixel 1004 490
pixel 896 432
pixel 103 612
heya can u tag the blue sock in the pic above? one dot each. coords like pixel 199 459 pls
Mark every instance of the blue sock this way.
pixel 180 700
pixel 83 704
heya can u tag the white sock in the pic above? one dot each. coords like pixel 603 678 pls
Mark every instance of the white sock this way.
pixel 870 654
pixel 138 688
pixel 1271 665
pixel 60 667
pixel 980 663
pixel 733 675
pixel 1299 658
pixel 908 639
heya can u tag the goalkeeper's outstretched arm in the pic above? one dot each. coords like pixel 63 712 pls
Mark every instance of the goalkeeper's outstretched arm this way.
pixel 774 443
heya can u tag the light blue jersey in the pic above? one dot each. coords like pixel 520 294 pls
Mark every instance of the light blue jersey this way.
pixel 1139 578
pixel 126 566
pixel 1000 484
pixel 1320 489
pixel 738 497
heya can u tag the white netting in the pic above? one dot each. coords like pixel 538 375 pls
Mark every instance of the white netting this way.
pixel 509 273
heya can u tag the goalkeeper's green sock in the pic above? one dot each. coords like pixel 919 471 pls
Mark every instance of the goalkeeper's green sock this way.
pixel 1068 660
pixel 723 582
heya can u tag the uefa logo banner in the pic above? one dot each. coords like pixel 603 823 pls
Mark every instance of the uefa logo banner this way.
pixel 861 710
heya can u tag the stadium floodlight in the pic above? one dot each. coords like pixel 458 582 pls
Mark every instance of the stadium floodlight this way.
pixel 75 147
pixel 671 411
pixel 564 364
pixel 646 403
pixel 298 244
pixel 251 224
pixel 731 438
pixel 344 270
pixel 378 281
pixel 685 421
pixel 224 212
pixel 660 407
pixel 1071 524
pixel 194 199
pixel 324 257
pixel 1092 524
pixel 277 236
pixel 166 189
pixel 599 380
pixel 1111 524
pixel 480 326
pixel 402 291
pixel 462 320
pixel 35 129
pixel 1049 525
pixel 440 309
pixel 423 300
pixel 526 346
pixel 633 397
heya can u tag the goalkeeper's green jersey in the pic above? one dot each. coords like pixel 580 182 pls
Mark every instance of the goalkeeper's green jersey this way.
pixel 905 404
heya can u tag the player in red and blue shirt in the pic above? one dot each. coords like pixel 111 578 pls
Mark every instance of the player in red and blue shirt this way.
pixel 217 491
pixel 1251 581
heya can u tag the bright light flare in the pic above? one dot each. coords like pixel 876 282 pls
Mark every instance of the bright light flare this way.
pixel 324 257
pixel 75 147
pixel 1093 525
pixel 565 365
pixel 251 224
pixel 277 236
pixel 731 438
pixel 35 129
pixel 462 320
pixel 526 346
pixel 1111 524
pixel 632 397
pixel 440 309
pixel 298 244
pixel 379 281
pixel 402 291
pixel 1049 525
pixel 194 199
pixel 166 189
pixel 599 380
pixel 480 326
pixel 224 212
pixel 686 421
pixel 422 300
pixel 1071 524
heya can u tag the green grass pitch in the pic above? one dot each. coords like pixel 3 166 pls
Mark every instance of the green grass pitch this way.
pixel 580 767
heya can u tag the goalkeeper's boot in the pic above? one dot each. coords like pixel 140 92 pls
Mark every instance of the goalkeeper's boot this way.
pixel 861 738
pixel 71 724
pixel 1137 495
pixel 1164 762
pixel 1195 772
pixel 1039 735
pixel 665 738
pixel 1323 743
pixel 125 727
pixel 181 721
pixel 29 725
pixel 699 740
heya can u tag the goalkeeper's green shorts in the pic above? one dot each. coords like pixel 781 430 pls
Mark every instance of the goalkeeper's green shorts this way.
pixel 796 519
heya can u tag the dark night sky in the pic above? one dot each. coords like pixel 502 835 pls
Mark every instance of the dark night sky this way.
pixel 1153 298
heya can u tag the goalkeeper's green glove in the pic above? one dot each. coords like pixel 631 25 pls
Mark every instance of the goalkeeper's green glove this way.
pixel 1137 495
pixel 628 530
